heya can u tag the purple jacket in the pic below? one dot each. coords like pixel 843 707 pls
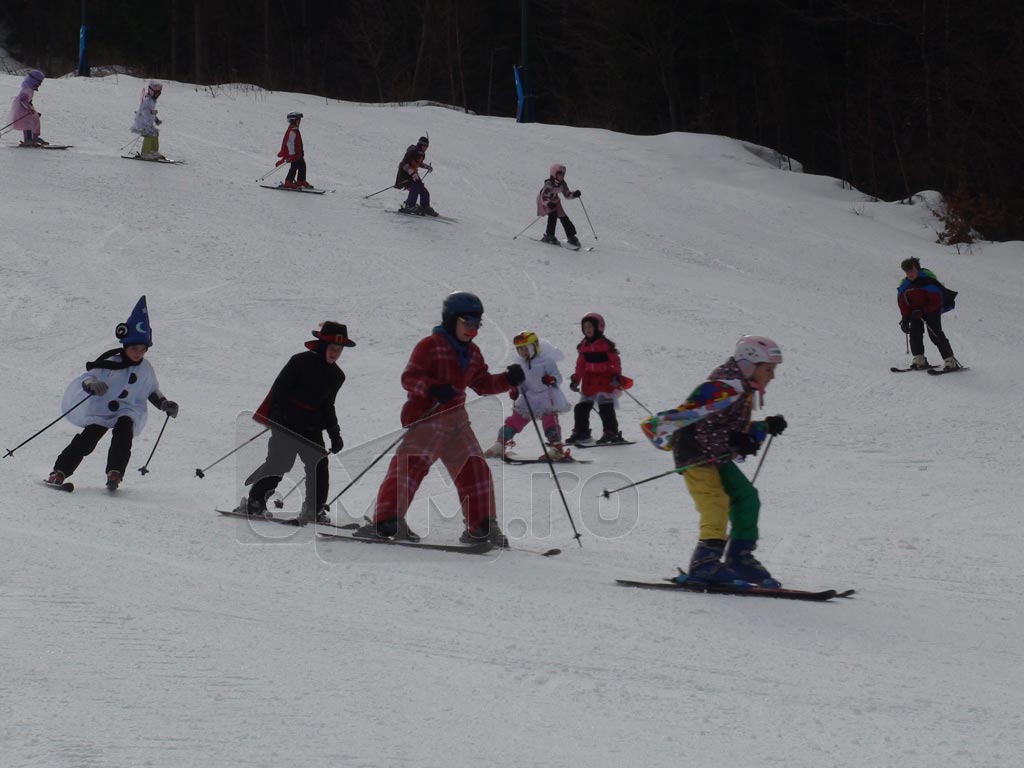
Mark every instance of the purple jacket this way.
pixel 550 193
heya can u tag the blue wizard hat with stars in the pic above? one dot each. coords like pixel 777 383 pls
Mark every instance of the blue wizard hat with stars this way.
pixel 136 330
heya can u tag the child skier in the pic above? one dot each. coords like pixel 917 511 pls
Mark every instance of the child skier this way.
pixel 291 152
pixel 120 383
pixel 542 387
pixel 298 409
pixel 409 176
pixel 705 434
pixel 549 203
pixel 440 369
pixel 922 300
pixel 23 115
pixel 598 377
pixel 146 122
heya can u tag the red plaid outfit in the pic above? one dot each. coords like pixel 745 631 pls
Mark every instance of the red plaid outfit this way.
pixel 447 435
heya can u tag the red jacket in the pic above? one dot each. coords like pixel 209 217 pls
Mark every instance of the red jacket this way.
pixel 435 360
pixel 596 365
pixel 291 145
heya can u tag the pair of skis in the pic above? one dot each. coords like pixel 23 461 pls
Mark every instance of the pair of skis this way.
pixel 564 244
pixel 730 589
pixel 306 190
pixel 932 370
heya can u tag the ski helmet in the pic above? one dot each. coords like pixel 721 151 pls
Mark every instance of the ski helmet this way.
pixel 423 141
pixel 527 339
pixel 460 304
pixel 37 74
pixel 751 350
pixel 155 85
pixel 293 116
pixel 597 321
pixel 556 169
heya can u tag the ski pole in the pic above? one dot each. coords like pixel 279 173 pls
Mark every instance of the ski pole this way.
pixel 202 472
pixel 588 217
pixel 551 466
pixel 637 401
pixel 122 149
pixel 395 186
pixel 382 454
pixel 607 493
pixel 528 226
pixel 763 455
pixel 261 178
pixel 69 410
pixel 144 468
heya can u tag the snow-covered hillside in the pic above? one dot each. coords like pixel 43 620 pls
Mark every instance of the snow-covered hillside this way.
pixel 144 629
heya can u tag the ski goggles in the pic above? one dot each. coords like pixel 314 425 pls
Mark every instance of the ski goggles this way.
pixel 471 321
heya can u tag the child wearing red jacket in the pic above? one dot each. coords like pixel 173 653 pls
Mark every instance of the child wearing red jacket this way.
pixel 598 378
pixel 442 366
pixel 292 152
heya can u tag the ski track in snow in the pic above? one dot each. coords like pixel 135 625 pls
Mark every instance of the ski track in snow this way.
pixel 143 629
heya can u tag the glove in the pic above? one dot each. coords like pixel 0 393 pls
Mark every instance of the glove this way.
pixel 905 325
pixel 574 383
pixel 776 424
pixel 514 393
pixel 158 121
pixel 552 206
pixel 515 374
pixel 95 387
pixel 279 162
pixel 548 380
pixel 743 444
pixel 427 166
pixel 337 443
pixel 415 176
pixel 170 408
pixel 577 194
pixel 442 392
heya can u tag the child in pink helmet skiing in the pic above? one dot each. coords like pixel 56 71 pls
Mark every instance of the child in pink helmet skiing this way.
pixel 23 115
pixel 549 204
pixel 706 434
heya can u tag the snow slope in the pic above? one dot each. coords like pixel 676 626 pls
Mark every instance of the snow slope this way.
pixel 144 629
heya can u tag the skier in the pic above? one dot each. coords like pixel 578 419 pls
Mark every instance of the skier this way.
pixel 120 382
pixel 409 175
pixel 441 367
pixel 298 409
pixel 709 430
pixel 922 300
pixel 291 152
pixel 543 388
pixel 146 122
pixel 23 115
pixel 549 204
pixel 598 377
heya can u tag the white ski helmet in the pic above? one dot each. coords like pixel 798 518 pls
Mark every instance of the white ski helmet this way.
pixel 751 350
pixel 556 169
pixel 293 116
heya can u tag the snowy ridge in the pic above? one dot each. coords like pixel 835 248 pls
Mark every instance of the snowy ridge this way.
pixel 154 631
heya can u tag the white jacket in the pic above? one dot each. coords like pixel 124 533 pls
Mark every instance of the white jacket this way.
pixel 129 395
pixel 543 398
pixel 145 117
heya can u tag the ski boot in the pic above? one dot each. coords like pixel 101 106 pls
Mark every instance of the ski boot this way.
pixel 579 438
pixel 114 479
pixel 395 529
pixel 951 364
pixel 499 449
pixel 426 210
pixel 303 185
pixel 409 209
pixel 289 185
pixel 56 478
pixel 919 363
pixel 546 238
pixel 706 566
pixel 609 438
pixel 573 241
pixel 557 452
pixel 488 532
pixel 741 561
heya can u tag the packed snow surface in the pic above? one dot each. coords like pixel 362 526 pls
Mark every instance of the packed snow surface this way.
pixel 144 629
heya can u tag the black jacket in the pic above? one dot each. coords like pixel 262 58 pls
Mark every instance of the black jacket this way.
pixel 302 398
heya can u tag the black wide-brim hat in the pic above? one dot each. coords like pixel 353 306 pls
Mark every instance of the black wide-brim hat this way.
pixel 334 333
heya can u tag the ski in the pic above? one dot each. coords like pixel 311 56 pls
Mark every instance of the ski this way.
pixel 67 487
pixel 894 369
pixel 564 244
pixel 604 445
pixel 725 589
pixel 43 146
pixel 541 553
pixel 307 190
pixel 465 549
pixel 285 520
pixel 943 372
pixel 165 160
pixel 516 460
pixel 447 219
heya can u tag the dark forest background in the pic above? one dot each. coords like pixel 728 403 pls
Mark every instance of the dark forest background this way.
pixel 893 96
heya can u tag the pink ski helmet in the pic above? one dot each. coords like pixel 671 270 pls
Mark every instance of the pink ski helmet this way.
pixel 556 169
pixel 751 350
pixel 596 319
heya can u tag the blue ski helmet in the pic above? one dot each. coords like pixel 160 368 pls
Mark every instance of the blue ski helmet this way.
pixel 459 304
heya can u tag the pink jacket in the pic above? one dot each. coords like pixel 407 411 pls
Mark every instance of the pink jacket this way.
pixel 23 115
pixel 549 193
